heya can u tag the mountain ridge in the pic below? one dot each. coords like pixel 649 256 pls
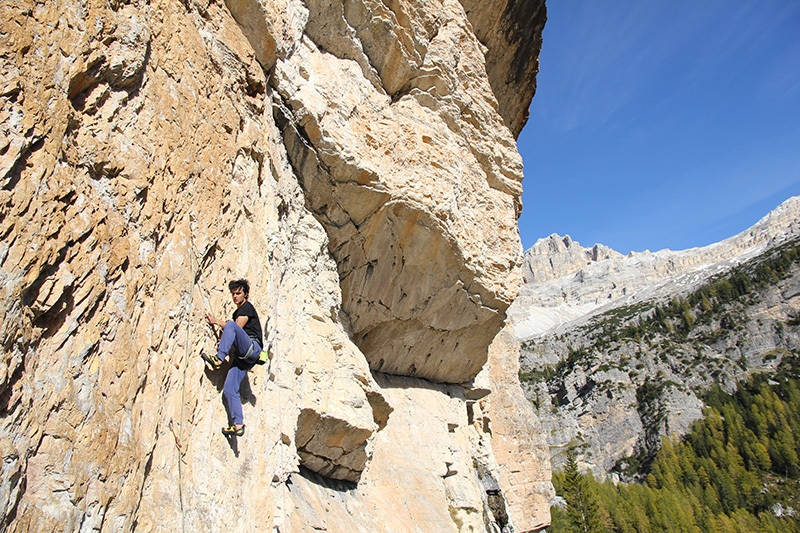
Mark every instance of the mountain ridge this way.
pixel 564 282
pixel 614 380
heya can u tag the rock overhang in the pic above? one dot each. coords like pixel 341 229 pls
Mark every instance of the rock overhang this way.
pixel 419 211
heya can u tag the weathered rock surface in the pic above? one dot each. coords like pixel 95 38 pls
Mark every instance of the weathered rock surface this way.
pixel 350 160
pixel 518 441
pixel 410 170
pixel 512 34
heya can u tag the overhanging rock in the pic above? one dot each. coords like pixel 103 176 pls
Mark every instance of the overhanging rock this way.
pixel 420 213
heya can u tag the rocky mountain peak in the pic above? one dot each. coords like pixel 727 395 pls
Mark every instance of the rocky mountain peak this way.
pixel 619 352
pixel 556 256
pixel 564 282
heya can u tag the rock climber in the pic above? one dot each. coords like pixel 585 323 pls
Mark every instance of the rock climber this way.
pixel 243 337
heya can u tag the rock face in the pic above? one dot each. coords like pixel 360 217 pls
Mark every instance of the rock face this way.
pixel 515 434
pixel 353 161
pixel 408 167
pixel 512 32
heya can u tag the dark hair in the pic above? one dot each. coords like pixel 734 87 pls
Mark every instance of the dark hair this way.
pixel 240 284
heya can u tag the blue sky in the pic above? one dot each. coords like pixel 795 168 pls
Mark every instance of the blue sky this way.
pixel 662 124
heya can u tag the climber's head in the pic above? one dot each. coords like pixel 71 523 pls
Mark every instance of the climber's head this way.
pixel 240 291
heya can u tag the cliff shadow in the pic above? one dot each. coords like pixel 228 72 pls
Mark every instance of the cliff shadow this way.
pixel 246 392
pixel 217 378
pixel 233 442
pixel 321 481
pixel 394 381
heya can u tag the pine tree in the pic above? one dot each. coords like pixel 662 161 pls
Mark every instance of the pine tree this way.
pixel 583 506
pixel 726 475
pixel 705 303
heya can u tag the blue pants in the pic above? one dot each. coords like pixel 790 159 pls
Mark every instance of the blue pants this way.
pixel 234 336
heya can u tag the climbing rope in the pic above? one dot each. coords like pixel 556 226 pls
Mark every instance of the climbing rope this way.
pixel 279 401
pixel 179 437
pixel 281 445
pixel 195 273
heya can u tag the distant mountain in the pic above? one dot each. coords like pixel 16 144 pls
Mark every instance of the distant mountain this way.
pixel 564 282
pixel 619 350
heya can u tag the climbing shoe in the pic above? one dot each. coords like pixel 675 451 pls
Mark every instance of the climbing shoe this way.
pixel 233 430
pixel 213 362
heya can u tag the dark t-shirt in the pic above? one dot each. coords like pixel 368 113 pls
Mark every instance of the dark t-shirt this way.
pixel 253 326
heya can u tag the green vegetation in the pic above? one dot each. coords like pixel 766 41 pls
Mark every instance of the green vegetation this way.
pixel 534 376
pixel 583 511
pixel 710 305
pixel 675 333
pixel 737 469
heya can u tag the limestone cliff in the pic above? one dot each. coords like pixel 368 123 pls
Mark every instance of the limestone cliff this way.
pixel 356 161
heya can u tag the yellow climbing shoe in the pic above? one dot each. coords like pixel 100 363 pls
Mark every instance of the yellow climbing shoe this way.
pixel 233 430
pixel 213 362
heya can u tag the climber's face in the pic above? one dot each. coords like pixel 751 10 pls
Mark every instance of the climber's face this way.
pixel 238 296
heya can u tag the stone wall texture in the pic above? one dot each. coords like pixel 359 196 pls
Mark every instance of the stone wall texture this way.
pixel 356 161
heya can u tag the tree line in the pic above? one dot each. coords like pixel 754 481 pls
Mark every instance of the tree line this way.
pixel 737 471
